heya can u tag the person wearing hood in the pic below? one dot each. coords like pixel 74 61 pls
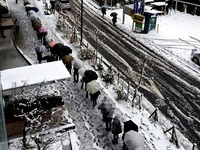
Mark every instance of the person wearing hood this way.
pixel 116 129
pixel 77 64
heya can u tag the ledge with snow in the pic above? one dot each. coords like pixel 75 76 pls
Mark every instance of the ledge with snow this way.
pixel 31 76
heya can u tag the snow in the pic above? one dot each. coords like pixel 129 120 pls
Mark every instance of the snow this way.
pixel 171 38
pixel 34 74
pixel 88 121
pixel 158 3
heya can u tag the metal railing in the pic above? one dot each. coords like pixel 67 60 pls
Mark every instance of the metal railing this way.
pixel 185 7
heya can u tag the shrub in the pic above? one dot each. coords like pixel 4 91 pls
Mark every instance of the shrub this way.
pixel 86 54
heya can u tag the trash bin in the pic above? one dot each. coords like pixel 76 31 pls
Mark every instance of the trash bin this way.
pixel 150 22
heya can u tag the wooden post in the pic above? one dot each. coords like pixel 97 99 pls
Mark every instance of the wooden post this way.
pixel 154 115
pixel 96 57
pixel 158 27
pixel 101 60
pixel 140 101
pixel 118 75
pixel 134 96
pixel 174 137
pixel 194 146
pixel 128 91
pixel 169 129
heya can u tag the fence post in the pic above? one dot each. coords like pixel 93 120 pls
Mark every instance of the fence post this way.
pixel 128 91
pixel 97 39
pixel 118 76
pixel 110 68
pixel 194 146
pixel 96 57
pixel 154 114
pixel 134 96
pixel 176 5
pixel 101 60
pixel 140 101
pixel 174 137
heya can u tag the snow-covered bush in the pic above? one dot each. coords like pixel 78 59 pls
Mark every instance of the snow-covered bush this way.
pixel 107 77
pixel 98 67
pixel 42 97
pixel 86 54
pixel 121 95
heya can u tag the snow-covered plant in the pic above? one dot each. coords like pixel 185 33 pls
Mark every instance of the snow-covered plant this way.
pixel 98 67
pixel 86 54
pixel 108 76
pixel 121 95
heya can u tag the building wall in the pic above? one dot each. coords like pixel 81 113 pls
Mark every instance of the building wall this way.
pixel 3 135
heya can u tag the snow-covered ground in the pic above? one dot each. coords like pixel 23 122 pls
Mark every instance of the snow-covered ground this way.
pixel 89 125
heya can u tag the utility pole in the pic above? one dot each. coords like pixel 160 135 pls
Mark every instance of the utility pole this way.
pixel 81 22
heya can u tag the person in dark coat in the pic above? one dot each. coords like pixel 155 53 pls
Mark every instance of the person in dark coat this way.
pixel 87 77
pixel 16 24
pixel 103 10
pixel 39 51
pixel 52 2
pixel 109 117
pixel 94 97
pixel 2 35
pixel 114 20
pixel 48 58
pixel 94 88
pixel 107 113
pixel 41 36
pixel 103 107
pixel 116 129
pixel 77 64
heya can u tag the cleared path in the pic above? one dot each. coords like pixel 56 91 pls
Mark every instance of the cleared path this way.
pixel 10 57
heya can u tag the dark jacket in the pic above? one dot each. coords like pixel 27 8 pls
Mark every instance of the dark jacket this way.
pixel 116 126
pixel 103 10
pixel 114 19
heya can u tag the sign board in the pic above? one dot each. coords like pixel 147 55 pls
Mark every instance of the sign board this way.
pixel 138 27
pixel 138 18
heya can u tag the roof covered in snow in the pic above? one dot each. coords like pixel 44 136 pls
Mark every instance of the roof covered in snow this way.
pixel 35 74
